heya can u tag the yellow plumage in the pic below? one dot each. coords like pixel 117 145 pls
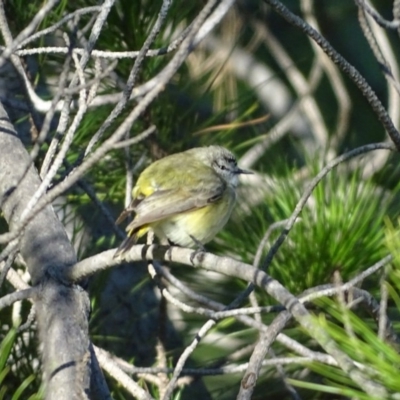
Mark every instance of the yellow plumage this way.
pixel 186 197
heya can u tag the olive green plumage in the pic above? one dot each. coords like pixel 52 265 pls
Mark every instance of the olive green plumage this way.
pixel 186 197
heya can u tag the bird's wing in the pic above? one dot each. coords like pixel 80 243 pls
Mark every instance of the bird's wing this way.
pixel 166 203
pixel 180 185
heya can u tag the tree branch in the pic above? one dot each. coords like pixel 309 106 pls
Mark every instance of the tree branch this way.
pixel 62 310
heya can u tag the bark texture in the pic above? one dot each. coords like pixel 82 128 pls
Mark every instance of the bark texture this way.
pixel 62 309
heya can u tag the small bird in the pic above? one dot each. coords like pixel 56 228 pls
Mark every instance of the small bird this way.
pixel 186 197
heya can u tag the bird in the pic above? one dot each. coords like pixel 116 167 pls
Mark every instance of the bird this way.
pixel 185 198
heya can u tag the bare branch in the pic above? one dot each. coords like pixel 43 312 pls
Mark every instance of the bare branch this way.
pixel 120 376
pixel 17 296
pixel 395 24
pixel 345 66
pixel 62 310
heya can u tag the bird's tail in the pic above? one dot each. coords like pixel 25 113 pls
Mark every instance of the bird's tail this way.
pixel 130 240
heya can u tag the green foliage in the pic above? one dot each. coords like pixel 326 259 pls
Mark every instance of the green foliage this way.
pixel 6 346
pixel 340 228
pixel 357 336
pixel 15 358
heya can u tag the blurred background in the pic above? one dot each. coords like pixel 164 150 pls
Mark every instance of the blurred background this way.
pixel 261 88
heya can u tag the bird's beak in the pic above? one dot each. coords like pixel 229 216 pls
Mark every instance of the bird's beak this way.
pixel 244 172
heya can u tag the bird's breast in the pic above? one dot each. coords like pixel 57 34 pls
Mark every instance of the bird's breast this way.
pixel 203 223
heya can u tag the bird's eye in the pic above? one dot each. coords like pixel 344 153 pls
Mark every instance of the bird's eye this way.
pixel 223 167
pixel 220 166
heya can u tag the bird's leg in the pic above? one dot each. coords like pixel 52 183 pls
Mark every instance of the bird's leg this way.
pixel 200 249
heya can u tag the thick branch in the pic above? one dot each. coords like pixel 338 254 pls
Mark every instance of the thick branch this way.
pixel 62 310
pixel 230 267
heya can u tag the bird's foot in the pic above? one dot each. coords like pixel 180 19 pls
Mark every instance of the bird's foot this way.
pixel 200 249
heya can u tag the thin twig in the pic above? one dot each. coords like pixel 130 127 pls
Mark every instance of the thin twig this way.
pixel 395 24
pixel 120 376
pixel 11 298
